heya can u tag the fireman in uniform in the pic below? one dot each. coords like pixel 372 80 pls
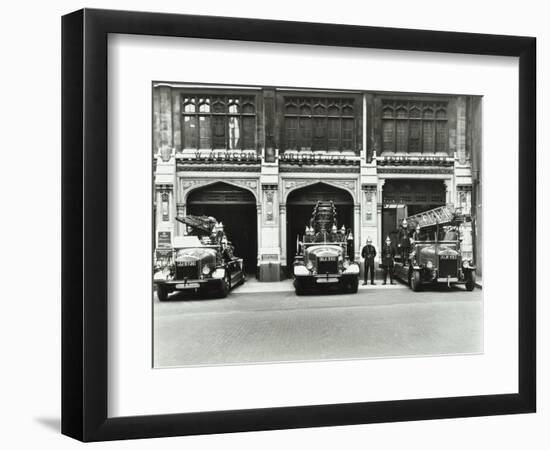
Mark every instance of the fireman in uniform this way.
pixel 368 253
pixel 403 242
pixel 388 253
pixel 349 245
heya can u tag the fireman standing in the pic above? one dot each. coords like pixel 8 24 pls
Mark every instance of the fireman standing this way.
pixel 350 245
pixel 403 242
pixel 368 253
pixel 388 254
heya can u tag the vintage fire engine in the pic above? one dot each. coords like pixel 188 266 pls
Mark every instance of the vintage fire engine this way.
pixel 435 250
pixel 321 257
pixel 202 261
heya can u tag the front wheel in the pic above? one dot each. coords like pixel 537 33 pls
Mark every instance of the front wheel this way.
pixel 351 286
pixel 415 281
pixel 470 280
pixel 162 293
pixel 225 287
pixel 299 287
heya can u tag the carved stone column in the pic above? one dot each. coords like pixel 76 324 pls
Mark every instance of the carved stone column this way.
pixel 357 229
pixel 282 227
pixel 381 236
pixel 259 227
pixel 180 227
pixel 379 207
pixel 448 182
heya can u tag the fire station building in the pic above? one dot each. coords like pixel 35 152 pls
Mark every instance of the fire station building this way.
pixel 259 158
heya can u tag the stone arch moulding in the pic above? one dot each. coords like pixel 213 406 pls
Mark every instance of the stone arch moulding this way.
pixel 291 185
pixel 189 185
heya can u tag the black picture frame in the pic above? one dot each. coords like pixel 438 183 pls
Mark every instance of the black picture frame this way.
pixel 84 224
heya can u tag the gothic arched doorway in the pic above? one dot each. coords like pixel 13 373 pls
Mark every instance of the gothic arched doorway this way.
pixel 406 197
pixel 299 206
pixel 236 208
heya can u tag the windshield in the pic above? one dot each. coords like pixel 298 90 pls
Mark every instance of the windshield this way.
pixel 196 252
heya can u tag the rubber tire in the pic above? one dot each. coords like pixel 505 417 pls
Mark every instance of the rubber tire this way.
pixel 299 288
pixel 162 293
pixel 470 280
pixel 225 287
pixel 352 287
pixel 416 285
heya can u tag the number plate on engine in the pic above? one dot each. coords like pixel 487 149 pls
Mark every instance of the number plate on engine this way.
pixel 327 280
pixel 188 286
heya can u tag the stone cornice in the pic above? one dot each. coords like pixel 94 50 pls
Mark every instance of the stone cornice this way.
pixel 213 167
pixel 318 169
pixel 407 160
pixel 415 171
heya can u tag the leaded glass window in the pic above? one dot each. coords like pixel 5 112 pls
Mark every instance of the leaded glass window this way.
pixel 414 127
pixel 315 123
pixel 219 122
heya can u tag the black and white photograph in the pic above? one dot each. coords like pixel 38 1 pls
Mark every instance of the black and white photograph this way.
pixel 303 224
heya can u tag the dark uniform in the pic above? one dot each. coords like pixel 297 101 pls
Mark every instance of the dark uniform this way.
pixel 369 253
pixel 388 253
pixel 350 247
pixel 404 244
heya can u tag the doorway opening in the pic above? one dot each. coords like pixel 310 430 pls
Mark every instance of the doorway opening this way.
pixel 236 208
pixel 406 197
pixel 299 207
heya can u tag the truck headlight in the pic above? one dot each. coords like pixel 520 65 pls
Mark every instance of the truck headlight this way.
pixel 300 270
pixel 353 269
pixel 430 265
pixel 218 273
pixel 160 275
pixel 466 263
pixel 309 265
pixel 206 270
pixel 346 264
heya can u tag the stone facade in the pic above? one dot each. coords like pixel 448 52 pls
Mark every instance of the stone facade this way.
pixel 381 151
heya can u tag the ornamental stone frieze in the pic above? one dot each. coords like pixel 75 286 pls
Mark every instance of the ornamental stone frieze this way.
pixel 268 191
pixel 164 187
pixel 406 160
pixel 292 184
pixel 350 185
pixel 198 167
pixel 413 171
pixel 189 184
pixel 319 169
pixel 180 208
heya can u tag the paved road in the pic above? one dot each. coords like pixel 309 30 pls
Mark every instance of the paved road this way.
pixel 252 327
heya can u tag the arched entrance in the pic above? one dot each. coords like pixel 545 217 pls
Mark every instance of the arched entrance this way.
pixel 299 206
pixel 236 208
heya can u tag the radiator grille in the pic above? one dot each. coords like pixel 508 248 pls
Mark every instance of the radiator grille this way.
pixel 187 271
pixel 448 268
pixel 330 266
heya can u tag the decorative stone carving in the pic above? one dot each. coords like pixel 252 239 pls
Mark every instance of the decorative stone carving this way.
pixel 369 187
pixel 319 169
pixel 165 153
pixel 251 185
pixel 187 184
pixel 247 184
pixel 164 187
pixel 348 185
pixel 413 171
pixel 180 208
pixel 293 184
